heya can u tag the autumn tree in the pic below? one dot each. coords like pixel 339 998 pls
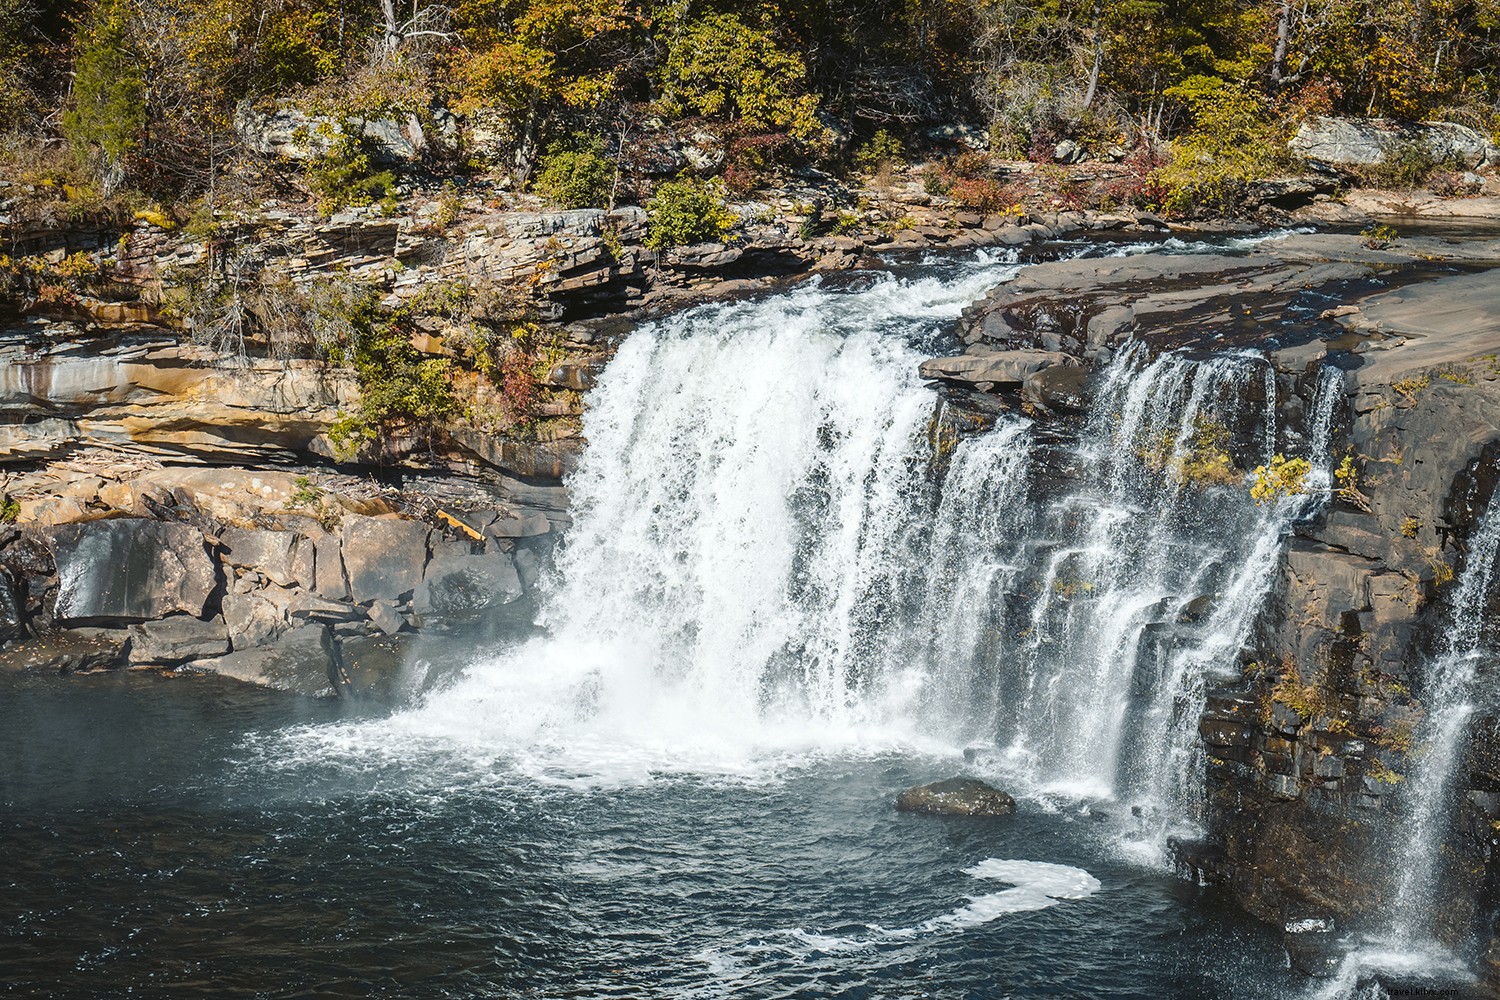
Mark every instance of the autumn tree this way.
pixel 530 61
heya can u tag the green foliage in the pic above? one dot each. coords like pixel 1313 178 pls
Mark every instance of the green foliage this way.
pixel 1202 460
pixel 719 66
pixel 396 381
pixel 1379 236
pixel 10 509
pixel 684 212
pixel 346 177
pixel 1233 141
pixel 1284 477
pixel 108 112
pixel 577 176
pixel 306 494
pixel 1408 164
pixel 883 148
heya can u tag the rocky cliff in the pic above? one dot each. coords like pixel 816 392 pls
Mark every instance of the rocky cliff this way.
pixel 1309 748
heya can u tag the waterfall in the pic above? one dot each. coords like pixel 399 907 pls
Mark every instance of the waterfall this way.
pixel 750 544
pixel 1449 697
pixel 764 562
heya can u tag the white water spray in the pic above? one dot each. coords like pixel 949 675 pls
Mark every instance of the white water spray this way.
pixel 1450 699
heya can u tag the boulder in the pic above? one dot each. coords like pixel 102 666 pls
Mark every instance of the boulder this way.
pixel 288 131
pixel 130 569
pixel 373 666
pixel 12 609
pixel 514 525
pixel 956 797
pixel 1058 387
pixel 177 640
pixel 1068 151
pixel 270 553
pixel 329 569
pixel 383 557
pixel 1356 142
pixel 67 651
pixel 528 567
pixel 304 661
pixel 985 369
pixel 384 616
pixel 252 620
pixel 463 584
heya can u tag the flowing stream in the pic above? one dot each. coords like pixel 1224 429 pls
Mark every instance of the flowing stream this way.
pixel 777 606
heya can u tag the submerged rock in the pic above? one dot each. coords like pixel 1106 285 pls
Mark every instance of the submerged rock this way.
pixel 67 651
pixel 956 797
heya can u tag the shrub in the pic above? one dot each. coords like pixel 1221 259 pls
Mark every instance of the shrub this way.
pixel 108 113
pixel 346 177
pixel 686 211
pixel 1231 143
pixel 883 147
pixel 1282 478
pixel 750 159
pixel 396 381
pixel 980 194
pixel 1407 164
pixel 576 176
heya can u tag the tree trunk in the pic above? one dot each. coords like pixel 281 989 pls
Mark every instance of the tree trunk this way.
pixel 1283 40
pixel 392 26
pixel 1088 97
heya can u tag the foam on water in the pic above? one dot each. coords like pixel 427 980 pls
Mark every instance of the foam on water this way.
pixel 1035 885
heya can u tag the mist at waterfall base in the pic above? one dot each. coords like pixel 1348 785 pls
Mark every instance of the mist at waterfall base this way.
pixel 770 615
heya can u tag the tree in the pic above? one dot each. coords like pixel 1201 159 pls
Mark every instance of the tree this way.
pixel 530 60
pixel 107 117
pixel 719 66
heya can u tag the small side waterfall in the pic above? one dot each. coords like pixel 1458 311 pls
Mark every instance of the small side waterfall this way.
pixel 1450 699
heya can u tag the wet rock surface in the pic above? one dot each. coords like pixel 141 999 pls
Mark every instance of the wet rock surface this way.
pixel 956 797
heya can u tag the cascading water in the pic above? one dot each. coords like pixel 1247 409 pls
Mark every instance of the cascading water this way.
pixel 749 531
pixel 1111 604
pixel 1449 697
pixel 760 560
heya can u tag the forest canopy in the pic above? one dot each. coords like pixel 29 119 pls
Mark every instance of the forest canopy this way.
pixel 145 93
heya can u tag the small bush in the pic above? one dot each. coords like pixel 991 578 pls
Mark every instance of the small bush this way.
pixel 684 212
pixel 751 160
pixel 345 177
pixel 980 194
pixel 1233 141
pixel 576 176
pixel 1408 164
pixel 883 148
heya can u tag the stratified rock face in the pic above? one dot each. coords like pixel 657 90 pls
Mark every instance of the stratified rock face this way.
pixel 383 558
pixel 1371 141
pixel 130 569
pixel 956 797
